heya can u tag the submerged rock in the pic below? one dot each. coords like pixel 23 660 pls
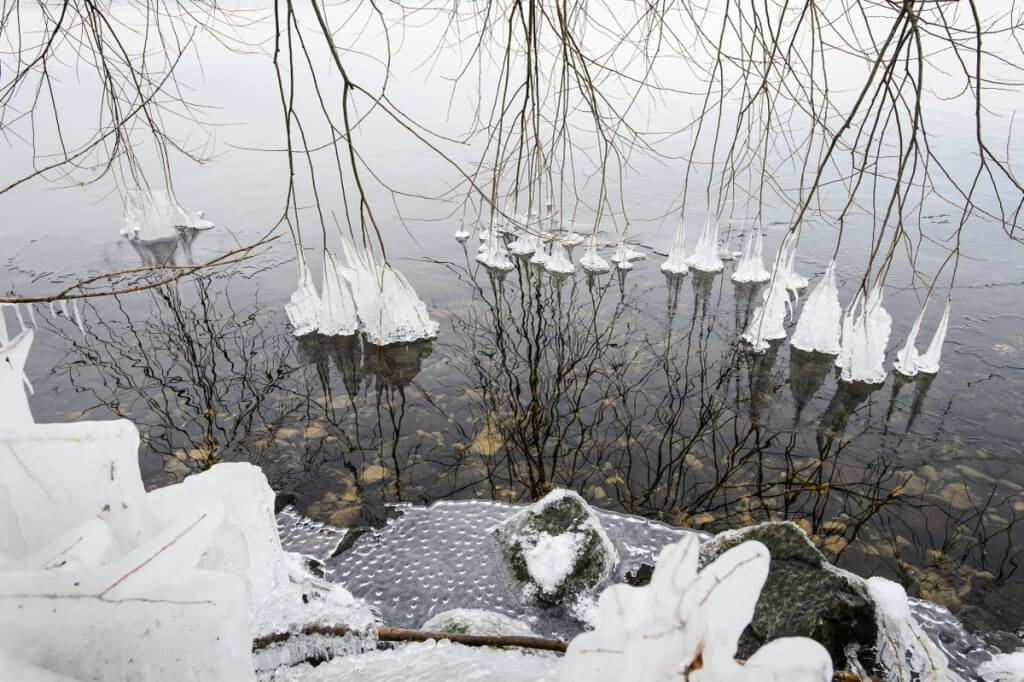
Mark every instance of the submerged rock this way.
pixel 804 595
pixel 556 548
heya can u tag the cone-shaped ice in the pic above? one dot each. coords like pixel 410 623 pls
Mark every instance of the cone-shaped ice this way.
pixel 724 252
pixel 705 256
pixel 462 234
pixel 337 315
pixel 524 245
pixel 389 309
pixel 155 215
pixel 559 262
pixel 591 261
pixel 494 254
pixel 907 357
pixel 750 267
pixel 624 253
pixel 541 254
pixel 862 354
pixel 303 308
pixel 767 323
pixel 929 362
pixel 676 263
pixel 794 280
pixel 818 328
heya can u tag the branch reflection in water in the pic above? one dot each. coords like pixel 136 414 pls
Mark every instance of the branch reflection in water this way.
pixel 540 381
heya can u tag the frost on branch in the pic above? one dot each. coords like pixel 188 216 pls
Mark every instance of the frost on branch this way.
pixel 686 625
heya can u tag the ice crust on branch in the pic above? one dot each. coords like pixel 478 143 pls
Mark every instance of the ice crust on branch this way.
pixel 303 309
pixel 818 327
pixel 154 214
pixel 685 625
pixel 908 361
pixel 862 352
pixel 705 257
pixel 676 261
pixel 750 267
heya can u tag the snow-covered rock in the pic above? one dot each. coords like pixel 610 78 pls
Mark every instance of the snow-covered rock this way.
pixel 556 549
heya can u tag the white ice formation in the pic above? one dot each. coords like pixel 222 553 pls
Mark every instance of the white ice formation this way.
pixel 493 253
pixel 1003 668
pixel 903 648
pixel 685 625
pixel 337 316
pixel 625 255
pixel 862 351
pixel 524 245
pixel 558 263
pixel 787 266
pixel 387 306
pixel 818 327
pixel 768 321
pixel 705 256
pixel 101 580
pixel 462 234
pixel 750 267
pixel 303 309
pixel 908 361
pixel 591 261
pixel 156 215
pixel 676 262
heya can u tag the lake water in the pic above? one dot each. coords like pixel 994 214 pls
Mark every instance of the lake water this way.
pixel 629 388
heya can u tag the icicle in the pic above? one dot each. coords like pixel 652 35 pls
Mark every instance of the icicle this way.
pixel 906 362
pixel 32 313
pixel 78 315
pixel 53 312
pixel 768 321
pixel 337 312
pixel 5 338
pixel 862 356
pixel 591 261
pixel 818 327
pixel 929 362
pixel 559 263
pixel 462 234
pixel 304 306
pixel 64 307
pixel 705 257
pixel 676 263
pixel 751 265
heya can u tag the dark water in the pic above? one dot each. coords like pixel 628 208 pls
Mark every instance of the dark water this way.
pixel 629 389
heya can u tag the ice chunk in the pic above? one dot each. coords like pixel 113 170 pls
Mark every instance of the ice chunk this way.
pixel 1003 668
pixel 787 268
pixel 662 629
pixel 462 234
pixel 751 268
pixel 524 245
pixel 705 256
pixel 476 622
pixel 303 308
pixel 337 315
pixel 818 328
pixel 156 215
pixel 542 254
pixel 862 352
pixel 559 263
pixel 768 321
pixel 676 262
pixel 570 239
pixel 14 409
pixel 591 261
pixel 903 648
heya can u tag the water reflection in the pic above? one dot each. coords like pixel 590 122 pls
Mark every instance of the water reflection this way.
pixel 538 382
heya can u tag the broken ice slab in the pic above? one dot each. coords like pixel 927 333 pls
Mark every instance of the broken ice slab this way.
pixel 155 214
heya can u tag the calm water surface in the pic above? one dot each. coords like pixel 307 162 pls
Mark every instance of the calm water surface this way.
pixel 630 389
